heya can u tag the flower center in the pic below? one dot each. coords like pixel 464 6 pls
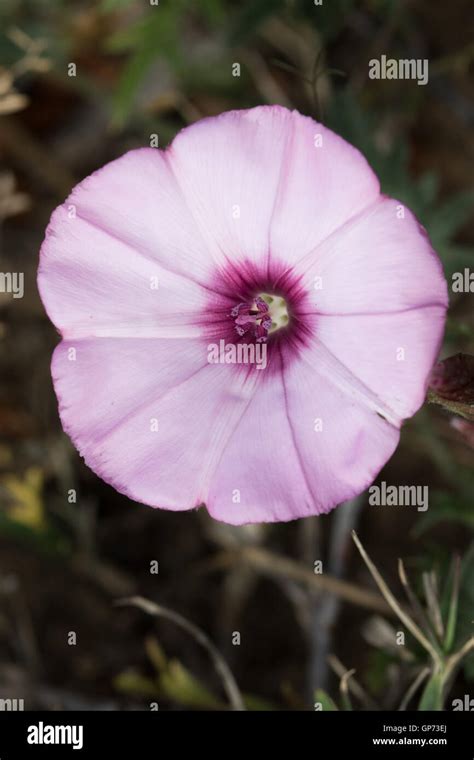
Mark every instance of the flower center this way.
pixel 261 317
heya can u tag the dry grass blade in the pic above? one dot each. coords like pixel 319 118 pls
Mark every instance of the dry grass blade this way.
pixel 156 610
pixel 422 675
pixel 407 621
pixel 414 601
pixel 354 686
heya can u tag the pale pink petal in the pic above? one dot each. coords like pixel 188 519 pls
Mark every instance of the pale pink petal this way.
pixel 290 467
pixel 392 354
pixel 93 283
pixel 149 416
pixel 229 169
pixel 379 299
pixel 261 183
pixel 324 182
pixel 136 200
pixel 379 262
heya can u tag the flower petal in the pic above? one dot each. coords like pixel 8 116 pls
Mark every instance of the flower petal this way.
pixel 124 225
pixel 290 468
pixel 229 168
pixel 324 182
pixel 392 354
pixel 149 416
pixel 261 183
pixel 381 261
pixel 94 284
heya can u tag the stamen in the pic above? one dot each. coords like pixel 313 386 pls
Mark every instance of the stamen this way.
pixel 261 317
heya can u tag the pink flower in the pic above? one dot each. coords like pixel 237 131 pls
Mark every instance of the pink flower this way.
pixel 257 233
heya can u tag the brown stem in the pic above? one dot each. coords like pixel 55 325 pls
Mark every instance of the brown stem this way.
pixel 275 565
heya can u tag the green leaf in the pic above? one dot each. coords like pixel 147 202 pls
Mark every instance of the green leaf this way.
pixel 453 607
pixel 107 6
pixel 131 78
pixel 155 654
pixel 178 684
pixel 432 697
pixel 465 608
pixel 155 36
pixel 257 704
pixel 325 700
pixel 132 683
pixel 213 10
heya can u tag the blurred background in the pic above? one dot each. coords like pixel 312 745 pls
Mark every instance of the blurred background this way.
pixel 80 83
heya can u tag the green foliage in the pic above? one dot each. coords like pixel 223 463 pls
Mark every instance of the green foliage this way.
pixel 376 674
pixel 23 514
pixel 458 332
pixel 447 506
pixel 173 681
pixel 451 615
pixel 112 5
pixel 441 219
pixel 325 700
pixel 133 684
pixel 329 18
pixel 465 609
pixel 47 539
pixel 432 697
pixel 250 16
pixel 181 686
pixel 156 34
